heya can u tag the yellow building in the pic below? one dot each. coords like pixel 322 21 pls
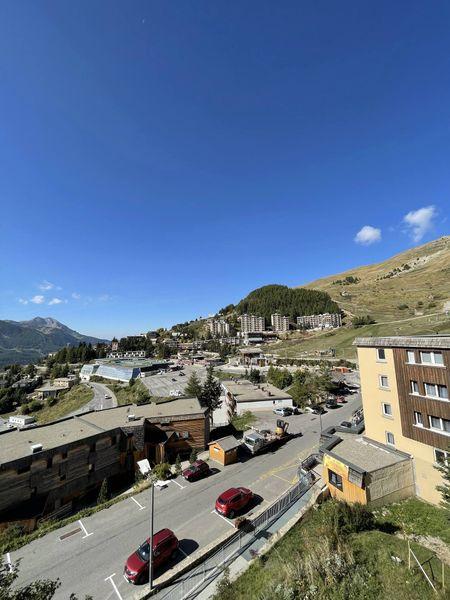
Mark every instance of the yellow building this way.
pixel 405 385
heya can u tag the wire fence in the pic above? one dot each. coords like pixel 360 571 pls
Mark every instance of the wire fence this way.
pixel 190 584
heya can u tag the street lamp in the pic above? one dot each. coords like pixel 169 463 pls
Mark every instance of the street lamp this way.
pixel 145 469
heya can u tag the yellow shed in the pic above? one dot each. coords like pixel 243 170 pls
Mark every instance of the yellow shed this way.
pixel 225 450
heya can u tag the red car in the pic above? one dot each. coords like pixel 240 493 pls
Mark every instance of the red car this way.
pixel 198 469
pixel 165 547
pixel 341 400
pixel 233 500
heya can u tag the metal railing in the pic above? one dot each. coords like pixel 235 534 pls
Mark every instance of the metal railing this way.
pixel 190 584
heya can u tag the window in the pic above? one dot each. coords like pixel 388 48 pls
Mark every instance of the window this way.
pixel 384 381
pixel 441 457
pixel 92 447
pixel 381 354
pixel 411 357
pixel 431 358
pixel 335 479
pixel 439 424
pixel 387 409
pixel 414 387
pixel 49 462
pixel 63 455
pixel 435 390
pixel 113 440
pixel 418 419
pixel 390 438
pixel 23 469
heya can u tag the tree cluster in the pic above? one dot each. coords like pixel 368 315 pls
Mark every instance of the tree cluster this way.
pixel 207 393
pixel 362 320
pixel 291 302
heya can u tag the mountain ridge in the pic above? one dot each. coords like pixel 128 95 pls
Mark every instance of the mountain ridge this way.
pixel 28 341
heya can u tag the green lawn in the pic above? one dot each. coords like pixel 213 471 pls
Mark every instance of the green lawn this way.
pixel 72 400
pixel 308 562
pixel 244 421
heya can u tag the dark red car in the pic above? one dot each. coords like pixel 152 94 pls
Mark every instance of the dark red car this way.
pixel 198 469
pixel 165 547
pixel 233 500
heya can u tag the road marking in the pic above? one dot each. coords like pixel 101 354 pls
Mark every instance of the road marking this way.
pixel 110 578
pixel 86 534
pixel 8 561
pixel 282 478
pixel 178 484
pixel 140 505
pixel 222 517
pixel 183 552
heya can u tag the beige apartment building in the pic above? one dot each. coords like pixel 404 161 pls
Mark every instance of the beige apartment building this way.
pixel 280 323
pixel 218 327
pixel 405 385
pixel 252 323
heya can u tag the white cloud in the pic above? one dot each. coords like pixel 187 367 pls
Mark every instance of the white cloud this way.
pixel 37 299
pixel 56 301
pixel 368 235
pixel 46 285
pixel 23 301
pixel 104 298
pixel 76 296
pixel 419 222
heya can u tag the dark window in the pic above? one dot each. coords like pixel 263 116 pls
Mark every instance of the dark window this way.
pixel 381 354
pixel 92 447
pixel 63 455
pixel 63 477
pixel 335 479
pixel 113 441
pixel 49 462
pixel 23 469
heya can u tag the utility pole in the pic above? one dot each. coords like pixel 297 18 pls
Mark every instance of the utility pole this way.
pixel 152 508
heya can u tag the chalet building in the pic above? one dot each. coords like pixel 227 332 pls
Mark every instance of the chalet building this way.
pixel 48 470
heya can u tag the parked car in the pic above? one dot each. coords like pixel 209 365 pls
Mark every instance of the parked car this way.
pixel 107 396
pixel 233 500
pixel 284 411
pixel 332 404
pixel 165 547
pixel 198 469
pixel 318 410
pixel 345 424
pixel 341 400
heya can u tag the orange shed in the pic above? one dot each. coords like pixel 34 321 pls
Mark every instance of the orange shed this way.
pixel 225 450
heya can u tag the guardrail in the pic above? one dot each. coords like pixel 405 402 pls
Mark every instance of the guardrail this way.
pixel 190 584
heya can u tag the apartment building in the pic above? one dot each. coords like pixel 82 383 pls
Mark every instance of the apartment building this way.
pixel 51 468
pixel 405 385
pixel 252 324
pixel 243 395
pixel 323 321
pixel 279 323
pixel 218 328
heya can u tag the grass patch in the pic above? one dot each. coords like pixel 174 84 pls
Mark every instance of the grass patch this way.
pixel 417 517
pixel 66 403
pixel 126 394
pixel 331 555
pixel 244 421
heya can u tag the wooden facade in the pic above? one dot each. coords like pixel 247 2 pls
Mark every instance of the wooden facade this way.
pixel 409 402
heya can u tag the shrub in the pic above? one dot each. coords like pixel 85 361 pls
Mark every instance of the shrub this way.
pixel 178 468
pixel 35 405
pixel 162 471
pixel 340 519
pixel 52 401
pixel 193 456
pixel 103 495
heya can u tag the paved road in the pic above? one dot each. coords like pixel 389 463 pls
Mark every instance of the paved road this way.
pixel 91 560
pixel 98 402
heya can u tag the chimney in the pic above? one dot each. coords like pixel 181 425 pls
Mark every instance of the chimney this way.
pixel 131 418
pixel 35 448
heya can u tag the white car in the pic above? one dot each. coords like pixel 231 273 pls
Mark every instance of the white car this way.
pixel 107 396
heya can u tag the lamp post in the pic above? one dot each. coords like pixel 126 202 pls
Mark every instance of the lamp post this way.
pixel 144 467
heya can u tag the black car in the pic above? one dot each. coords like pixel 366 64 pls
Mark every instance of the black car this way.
pixel 345 424
pixel 332 405
pixel 318 410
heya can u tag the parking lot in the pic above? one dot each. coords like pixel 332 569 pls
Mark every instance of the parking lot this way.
pixel 162 385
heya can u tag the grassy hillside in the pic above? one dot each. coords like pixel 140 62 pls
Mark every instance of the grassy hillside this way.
pixel 406 294
pixel 413 282
pixel 67 403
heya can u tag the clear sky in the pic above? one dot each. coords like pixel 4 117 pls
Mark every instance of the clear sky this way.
pixel 159 160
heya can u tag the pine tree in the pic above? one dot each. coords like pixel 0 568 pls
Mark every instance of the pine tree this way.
pixel 194 387
pixel 193 456
pixel 444 488
pixel 178 468
pixel 211 391
pixel 103 495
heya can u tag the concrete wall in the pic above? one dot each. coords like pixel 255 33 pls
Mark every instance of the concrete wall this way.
pixel 426 476
pixel 268 404
pixel 390 484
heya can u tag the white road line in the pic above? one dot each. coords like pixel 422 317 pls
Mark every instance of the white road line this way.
pixel 140 505
pixel 8 560
pixel 110 578
pixel 183 552
pixel 178 484
pixel 222 517
pixel 86 534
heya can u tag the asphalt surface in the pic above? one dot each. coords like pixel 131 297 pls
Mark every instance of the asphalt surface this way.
pixel 162 385
pixel 91 558
pixel 98 402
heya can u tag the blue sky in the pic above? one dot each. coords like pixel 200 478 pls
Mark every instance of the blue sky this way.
pixel 158 160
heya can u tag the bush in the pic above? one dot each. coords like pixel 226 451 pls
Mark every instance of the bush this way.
pixel 103 495
pixel 340 519
pixel 52 401
pixel 178 468
pixel 35 405
pixel 193 456
pixel 162 471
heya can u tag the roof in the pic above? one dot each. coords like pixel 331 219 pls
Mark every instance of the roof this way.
pixel 365 454
pixel 418 341
pixel 227 443
pixel 15 445
pixel 250 351
pixel 246 391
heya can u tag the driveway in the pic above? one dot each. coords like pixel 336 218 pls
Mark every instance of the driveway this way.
pixel 90 559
